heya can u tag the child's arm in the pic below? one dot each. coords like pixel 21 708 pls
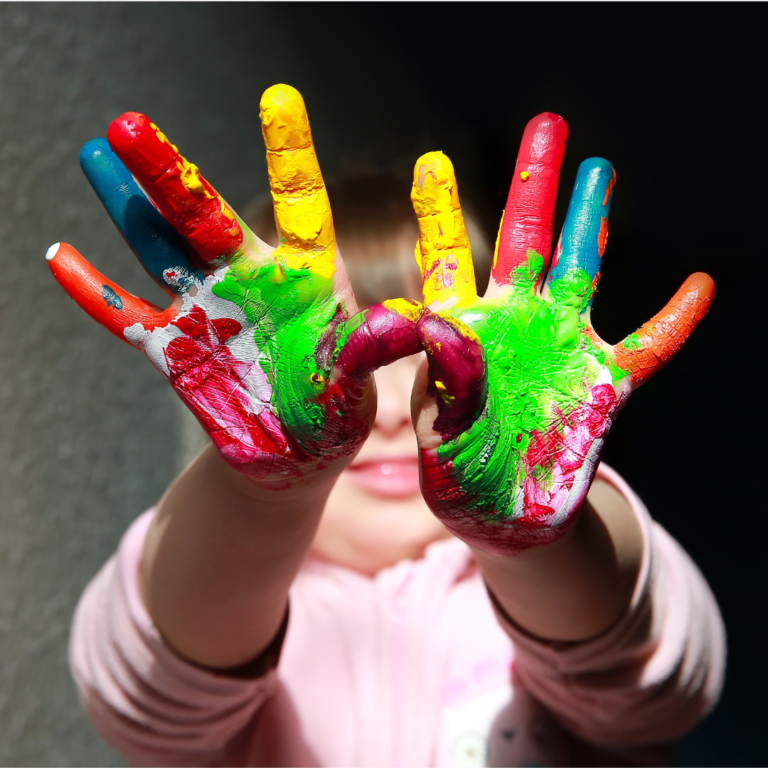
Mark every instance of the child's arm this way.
pixel 578 586
pixel 519 392
pixel 653 674
pixel 263 345
pixel 220 556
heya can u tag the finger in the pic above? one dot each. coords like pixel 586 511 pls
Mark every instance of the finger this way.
pixel 528 219
pixel 183 196
pixel 643 353
pixel 443 252
pixel 302 209
pixel 457 372
pixel 154 241
pixel 107 303
pixel 579 253
pixel 378 336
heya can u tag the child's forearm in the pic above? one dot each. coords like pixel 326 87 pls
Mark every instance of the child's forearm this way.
pixel 219 558
pixel 577 587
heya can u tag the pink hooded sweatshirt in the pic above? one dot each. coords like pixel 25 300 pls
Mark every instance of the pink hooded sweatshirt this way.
pixel 412 667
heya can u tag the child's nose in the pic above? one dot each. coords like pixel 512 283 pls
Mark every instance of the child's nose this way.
pixel 393 385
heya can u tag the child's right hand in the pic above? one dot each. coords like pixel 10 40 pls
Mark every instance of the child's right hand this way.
pixel 262 344
pixel 526 391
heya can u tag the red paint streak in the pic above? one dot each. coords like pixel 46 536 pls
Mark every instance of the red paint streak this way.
pixel 595 283
pixel 562 449
pixel 602 236
pixel 85 285
pixel 158 166
pixel 609 189
pixel 211 381
pixel 529 214
pixel 665 333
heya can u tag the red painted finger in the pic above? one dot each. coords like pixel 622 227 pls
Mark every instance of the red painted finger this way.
pixel 378 336
pixel 457 374
pixel 183 196
pixel 528 219
pixel 106 302
pixel 643 353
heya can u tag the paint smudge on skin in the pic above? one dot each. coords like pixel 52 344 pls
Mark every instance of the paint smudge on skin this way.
pixel 550 399
pixel 517 471
pixel 443 251
pixel 259 345
pixel 112 299
pixel 184 197
pixel 528 215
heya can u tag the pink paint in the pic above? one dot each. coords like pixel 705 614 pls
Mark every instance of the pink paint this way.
pixel 564 448
pixel 547 512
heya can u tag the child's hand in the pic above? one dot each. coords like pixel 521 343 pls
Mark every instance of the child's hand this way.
pixel 257 342
pixel 526 392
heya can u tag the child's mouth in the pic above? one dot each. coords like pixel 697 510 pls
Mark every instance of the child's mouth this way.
pixel 393 478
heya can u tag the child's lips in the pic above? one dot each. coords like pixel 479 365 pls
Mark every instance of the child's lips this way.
pixel 392 478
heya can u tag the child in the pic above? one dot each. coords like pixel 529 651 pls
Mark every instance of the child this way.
pixel 517 622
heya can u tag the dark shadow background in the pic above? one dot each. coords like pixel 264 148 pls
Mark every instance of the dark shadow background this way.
pixel 673 95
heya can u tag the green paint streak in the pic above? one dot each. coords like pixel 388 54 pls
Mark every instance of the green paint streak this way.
pixel 633 341
pixel 539 362
pixel 289 309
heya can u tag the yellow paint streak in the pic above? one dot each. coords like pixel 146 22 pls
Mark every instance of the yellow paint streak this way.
pixel 443 251
pixel 411 310
pixel 225 209
pixel 443 392
pixel 189 174
pixel 498 238
pixel 163 137
pixel 462 328
pixel 302 208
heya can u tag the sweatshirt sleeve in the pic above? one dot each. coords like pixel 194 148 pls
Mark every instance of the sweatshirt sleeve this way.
pixel 149 704
pixel 653 675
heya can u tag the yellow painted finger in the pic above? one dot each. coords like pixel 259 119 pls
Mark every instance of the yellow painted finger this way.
pixel 443 252
pixel 302 209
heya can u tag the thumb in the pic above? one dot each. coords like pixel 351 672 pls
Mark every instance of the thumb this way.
pixel 451 387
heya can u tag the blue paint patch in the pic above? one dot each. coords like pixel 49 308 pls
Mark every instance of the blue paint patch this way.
pixel 112 299
pixel 181 279
pixel 589 207
pixel 155 242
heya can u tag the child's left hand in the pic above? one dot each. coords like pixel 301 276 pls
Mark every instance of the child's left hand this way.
pixel 526 391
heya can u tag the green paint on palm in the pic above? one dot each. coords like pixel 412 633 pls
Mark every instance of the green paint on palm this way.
pixel 633 341
pixel 290 310
pixel 540 364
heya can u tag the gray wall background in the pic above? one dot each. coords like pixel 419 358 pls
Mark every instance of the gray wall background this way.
pixel 90 434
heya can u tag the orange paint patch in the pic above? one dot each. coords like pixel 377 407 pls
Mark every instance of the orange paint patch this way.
pixel 664 334
pixel 602 236
pixel 609 189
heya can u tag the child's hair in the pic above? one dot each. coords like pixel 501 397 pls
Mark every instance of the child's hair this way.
pixel 376 230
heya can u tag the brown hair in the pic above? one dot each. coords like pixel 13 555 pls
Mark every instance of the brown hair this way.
pixel 376 230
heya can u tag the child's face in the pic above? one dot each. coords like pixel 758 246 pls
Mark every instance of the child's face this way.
pixel 376 515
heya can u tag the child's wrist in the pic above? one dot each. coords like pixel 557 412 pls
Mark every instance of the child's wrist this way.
pixel 298 491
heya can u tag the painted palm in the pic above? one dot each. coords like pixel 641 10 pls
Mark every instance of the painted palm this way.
pixel 544 389
pixel 257 341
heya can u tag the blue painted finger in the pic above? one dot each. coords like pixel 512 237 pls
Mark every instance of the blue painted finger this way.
pixel 579 253
pixel 157 245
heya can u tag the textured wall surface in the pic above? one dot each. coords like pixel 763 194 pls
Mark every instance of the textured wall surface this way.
pixel 90 434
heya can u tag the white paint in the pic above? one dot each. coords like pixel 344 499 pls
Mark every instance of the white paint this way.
pixel 52 251
pixel 254 385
